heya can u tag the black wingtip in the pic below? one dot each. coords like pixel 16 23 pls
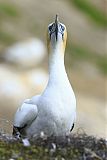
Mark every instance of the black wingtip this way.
pixel 16 132
pixel 72 127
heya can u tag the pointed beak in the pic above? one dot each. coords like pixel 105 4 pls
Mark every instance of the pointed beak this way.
pixel 56 27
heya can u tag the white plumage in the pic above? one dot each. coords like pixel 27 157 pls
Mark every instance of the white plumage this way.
pixel 54 111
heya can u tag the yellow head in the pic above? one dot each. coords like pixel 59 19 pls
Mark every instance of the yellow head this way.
pixel 56 36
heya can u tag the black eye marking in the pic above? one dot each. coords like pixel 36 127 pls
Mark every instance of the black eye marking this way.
pixel 50 28
pixel 61 29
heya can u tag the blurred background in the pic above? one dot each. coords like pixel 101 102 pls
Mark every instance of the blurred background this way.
pixel 24 60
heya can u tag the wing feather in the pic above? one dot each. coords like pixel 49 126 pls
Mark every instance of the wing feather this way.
pixel 25 114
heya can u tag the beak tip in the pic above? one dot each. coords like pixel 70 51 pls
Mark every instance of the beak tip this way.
pixel 56 19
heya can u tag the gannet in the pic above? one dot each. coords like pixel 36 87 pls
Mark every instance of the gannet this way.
pixel 54 111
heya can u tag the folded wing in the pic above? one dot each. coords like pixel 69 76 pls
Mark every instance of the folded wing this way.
pixel 24 116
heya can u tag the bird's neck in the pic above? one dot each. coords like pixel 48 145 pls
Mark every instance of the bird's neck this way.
pixel 57 72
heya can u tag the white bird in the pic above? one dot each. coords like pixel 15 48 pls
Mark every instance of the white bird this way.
pixel 54 111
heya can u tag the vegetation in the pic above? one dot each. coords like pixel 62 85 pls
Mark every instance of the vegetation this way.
pixel 8 10
pixel 6 38
pixel 75 147
pixel 91 11
pixel 81 53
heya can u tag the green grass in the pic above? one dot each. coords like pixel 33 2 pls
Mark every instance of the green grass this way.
pixel 8 10
pixel 91 11
pixel 102 64
pixel 80 53
pixel 6 38
pixel 75 147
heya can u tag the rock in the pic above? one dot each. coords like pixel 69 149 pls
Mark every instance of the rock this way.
pixel 26 53
pixel 15 86
pixel 11 86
